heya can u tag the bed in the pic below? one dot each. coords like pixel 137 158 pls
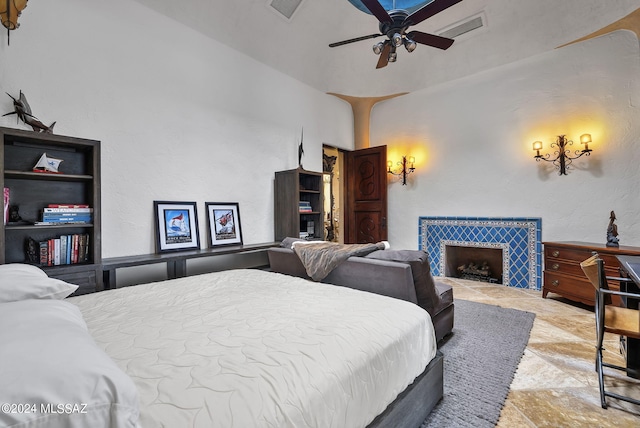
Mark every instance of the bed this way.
pixel 237 348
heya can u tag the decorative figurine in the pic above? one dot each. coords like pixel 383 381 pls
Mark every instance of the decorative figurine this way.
pixel 300 150
pixel 47 164
pixel 23 110
pixel 14 215
pixel 612 232
pixel 32 250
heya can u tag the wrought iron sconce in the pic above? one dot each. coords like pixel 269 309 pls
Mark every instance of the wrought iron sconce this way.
pixel 563 155
pixel 9 13
pixel 407 168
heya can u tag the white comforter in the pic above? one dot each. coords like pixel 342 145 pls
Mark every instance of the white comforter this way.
pixel 248 348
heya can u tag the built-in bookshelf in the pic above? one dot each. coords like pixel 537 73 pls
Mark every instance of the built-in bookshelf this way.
pixel 59 211
pixel 298 204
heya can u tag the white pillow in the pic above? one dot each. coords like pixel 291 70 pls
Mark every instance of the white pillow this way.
pixel 21 282
pixel 48 358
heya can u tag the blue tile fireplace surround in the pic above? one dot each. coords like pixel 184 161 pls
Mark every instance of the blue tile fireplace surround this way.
pixel 517 237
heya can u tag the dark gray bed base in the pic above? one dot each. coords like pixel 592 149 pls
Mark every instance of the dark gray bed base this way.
pixel 414 404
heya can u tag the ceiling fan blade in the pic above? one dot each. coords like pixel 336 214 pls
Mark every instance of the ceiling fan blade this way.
pixel 384 56
pixel 430 39
pixel 377 10
pixel 357 39
pixel 428 11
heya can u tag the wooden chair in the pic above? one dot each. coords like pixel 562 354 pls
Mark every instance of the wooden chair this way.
pixel 610 319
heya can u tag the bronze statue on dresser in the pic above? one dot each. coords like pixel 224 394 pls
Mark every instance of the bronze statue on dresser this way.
pixel 612 231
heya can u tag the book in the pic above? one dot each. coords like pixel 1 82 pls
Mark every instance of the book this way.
pixel 44 253
pixel 67 210
pixel 65 217
pixel 67 206
pixel 6 205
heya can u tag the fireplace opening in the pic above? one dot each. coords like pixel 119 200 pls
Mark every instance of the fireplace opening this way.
pixel 475 263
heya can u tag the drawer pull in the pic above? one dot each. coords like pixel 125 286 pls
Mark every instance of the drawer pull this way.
pixel 555 266
pixel 555 253
pixel 555 282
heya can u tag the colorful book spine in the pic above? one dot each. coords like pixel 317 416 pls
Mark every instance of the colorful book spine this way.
pixel 6 205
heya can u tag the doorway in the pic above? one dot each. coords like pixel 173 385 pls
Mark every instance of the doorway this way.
pixel 334 191
pixel 355 195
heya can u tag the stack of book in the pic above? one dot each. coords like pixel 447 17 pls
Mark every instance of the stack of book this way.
pixel 65 250
pixel 304 207
pixel 66 214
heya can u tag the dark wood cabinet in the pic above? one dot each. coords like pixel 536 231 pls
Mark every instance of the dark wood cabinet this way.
pixel 299 204
pixel 564 276
pixel 78 182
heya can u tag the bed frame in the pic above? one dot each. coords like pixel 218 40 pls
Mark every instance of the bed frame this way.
pixel 414 404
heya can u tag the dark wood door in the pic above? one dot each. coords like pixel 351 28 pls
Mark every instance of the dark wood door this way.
pixel 366 195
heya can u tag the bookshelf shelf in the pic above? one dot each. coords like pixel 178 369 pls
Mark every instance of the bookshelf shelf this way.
pixel 28 175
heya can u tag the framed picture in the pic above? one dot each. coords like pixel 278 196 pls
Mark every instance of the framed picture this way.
pixel 176 226
pixel 224 223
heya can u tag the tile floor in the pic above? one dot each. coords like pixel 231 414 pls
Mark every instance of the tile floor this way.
pixel 556 384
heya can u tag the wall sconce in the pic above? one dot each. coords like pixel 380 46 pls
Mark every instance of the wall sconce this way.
pixel 563 155
pixel 9 12
pixel 406 168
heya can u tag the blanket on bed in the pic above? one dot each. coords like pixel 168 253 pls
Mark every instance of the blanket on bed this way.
pixel 320 258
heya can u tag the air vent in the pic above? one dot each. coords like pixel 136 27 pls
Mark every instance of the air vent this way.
pixel 466 26
pixel 285 8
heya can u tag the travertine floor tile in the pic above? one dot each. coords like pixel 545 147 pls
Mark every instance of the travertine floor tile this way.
pixel 556 384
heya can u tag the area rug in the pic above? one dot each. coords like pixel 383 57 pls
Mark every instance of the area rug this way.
pixel 480 359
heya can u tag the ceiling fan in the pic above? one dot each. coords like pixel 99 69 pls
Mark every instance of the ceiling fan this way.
pixel 395 24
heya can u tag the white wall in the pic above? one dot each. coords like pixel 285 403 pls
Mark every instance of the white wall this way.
pixel 180 116
pixel 472 142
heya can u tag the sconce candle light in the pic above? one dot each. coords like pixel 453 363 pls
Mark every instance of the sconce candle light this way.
pixel 406 168
pixel 563 155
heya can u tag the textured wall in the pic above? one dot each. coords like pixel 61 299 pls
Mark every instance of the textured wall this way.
pixel 472 142
pixel 180 116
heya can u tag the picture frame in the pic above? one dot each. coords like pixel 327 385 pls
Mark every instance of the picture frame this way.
pixel 176 226
pixel 223 220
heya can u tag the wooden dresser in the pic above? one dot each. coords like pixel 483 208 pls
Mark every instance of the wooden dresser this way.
pixel 563 274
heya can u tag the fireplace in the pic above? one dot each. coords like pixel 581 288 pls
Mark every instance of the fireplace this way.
pixel 478 263
pixel 516 250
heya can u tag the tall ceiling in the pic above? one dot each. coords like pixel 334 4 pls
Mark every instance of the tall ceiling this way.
pixel 513 30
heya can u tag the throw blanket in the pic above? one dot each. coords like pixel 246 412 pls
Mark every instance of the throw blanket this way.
pixel 320 258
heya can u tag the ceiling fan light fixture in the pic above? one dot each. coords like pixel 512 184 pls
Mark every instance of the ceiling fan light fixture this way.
pixel 396 39
pixel 410 45
pixel 393 56
pixel 377 48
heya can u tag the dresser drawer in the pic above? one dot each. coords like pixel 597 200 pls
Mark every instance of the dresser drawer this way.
pixel 569 267
pixel 557 254
pixel 572 287
pixel 561 253
pixel 565 267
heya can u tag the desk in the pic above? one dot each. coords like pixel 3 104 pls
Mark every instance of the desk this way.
pixel 630 268
pixel 176 261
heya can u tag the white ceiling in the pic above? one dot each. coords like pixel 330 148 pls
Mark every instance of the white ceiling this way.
pixel 515 29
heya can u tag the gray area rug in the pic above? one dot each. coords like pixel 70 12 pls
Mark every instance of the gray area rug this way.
pixel 480 359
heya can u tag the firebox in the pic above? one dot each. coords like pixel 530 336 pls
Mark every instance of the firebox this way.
pixel 475 263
